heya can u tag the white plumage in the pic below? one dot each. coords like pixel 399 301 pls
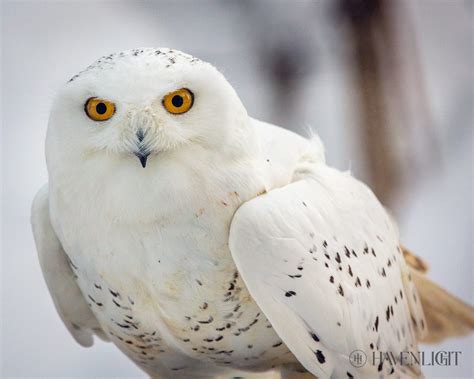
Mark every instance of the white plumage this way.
pixel 322 260
pixel 235 248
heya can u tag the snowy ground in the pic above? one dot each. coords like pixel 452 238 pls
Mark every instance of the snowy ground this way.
pixel 45 43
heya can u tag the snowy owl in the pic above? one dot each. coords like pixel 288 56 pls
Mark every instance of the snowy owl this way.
pixel 203 242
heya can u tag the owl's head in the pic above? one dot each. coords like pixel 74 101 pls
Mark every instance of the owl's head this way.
pixel 135 106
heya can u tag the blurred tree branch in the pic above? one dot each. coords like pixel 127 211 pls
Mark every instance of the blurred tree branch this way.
pixel 390 94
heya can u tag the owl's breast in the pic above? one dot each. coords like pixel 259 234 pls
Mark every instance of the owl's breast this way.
pixel 164 289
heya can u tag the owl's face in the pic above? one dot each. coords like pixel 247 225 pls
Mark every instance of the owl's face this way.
pixel 138 105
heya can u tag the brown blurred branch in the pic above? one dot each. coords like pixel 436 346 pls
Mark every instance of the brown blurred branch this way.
pixel 390 93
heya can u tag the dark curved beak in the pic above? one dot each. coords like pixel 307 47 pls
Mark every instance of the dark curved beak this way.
pixel 141 154
pixel 142 157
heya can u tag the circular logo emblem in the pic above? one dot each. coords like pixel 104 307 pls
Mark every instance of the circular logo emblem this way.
pixel 358 358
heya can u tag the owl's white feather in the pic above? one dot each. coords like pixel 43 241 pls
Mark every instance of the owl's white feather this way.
pixel 141 255
pixel 59 276
pixel 322 259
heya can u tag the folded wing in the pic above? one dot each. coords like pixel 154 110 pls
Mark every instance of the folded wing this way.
pixel 321 257
pixel 59 277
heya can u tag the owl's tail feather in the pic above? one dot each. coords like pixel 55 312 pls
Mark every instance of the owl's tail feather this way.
pixel 446 315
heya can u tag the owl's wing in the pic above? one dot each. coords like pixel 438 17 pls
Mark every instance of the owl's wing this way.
pixel 321 258
pixel 59 277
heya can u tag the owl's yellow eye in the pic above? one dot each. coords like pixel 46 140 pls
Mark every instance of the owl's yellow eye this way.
pixel 178 102
pixel 99 109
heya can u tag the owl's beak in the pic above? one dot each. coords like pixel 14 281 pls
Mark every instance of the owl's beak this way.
pixel 142 154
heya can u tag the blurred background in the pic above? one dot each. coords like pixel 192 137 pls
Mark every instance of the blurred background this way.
pixel 387 85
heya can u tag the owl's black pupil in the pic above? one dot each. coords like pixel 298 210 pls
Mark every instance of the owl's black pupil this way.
pixel 177 101
pixel 101 108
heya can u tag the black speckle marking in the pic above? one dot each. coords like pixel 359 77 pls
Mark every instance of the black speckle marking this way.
pixel 367 283
pixel 349 375
pixel 304 204
pixel 208 321
pixel 198 282
pixel 277 344
pixel 357 282
pixel 340 290
pixel 314 337
pixel 325 244
pixel 338 258
pixel 347 252
pixel 295 276
pixel 376 323
pixel 320 356
pixel 380 366
pixel 97 286
pixel 114 294
pixel 253 322
pixel 290 293
pixel 94 301
pixel 123 326
pixel 349 269
pixel 331 279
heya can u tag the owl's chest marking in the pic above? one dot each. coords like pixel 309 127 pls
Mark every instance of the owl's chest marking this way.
pixel 212 319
